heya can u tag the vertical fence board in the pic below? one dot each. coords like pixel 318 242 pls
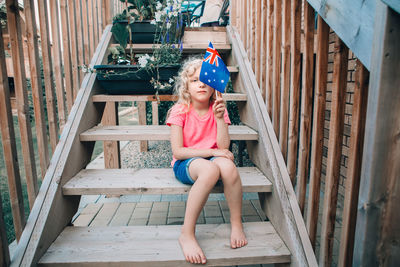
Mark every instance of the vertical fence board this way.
pixel 258 41
pixel 86 47
pixel 334 151
pixel 295 58
pixel 263 48
pixel 233 13
pixel 253 28
pixel 79 37
pixel 21 93
pixel 154 112
pixel 4 251
pixel 321 71
pixel 248 28
pixel 56 53
pixel 269 68
pixel 285 86
pixel 10 147
pixel 36 84
pixel 73 46
pixel 276 67
pixel 112 158
pixel 48 74
pixel 354 165
pixel 90 27
pixel 96 23
pixel 306 104
pixel 66 54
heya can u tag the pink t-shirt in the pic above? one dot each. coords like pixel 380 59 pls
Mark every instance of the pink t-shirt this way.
pixel 198 132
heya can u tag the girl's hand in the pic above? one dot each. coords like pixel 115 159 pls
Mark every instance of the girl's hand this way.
pixel 219 106
pixel 222 153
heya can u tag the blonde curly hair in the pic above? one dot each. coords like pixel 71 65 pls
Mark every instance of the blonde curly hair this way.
pixel 189 67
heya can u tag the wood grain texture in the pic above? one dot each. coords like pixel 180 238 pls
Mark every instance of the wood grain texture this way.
pixel 120 98
pixel 378 214
pixel 37 86
pixel 353 22
pixel 14 22
pixel 285 80
pixel 336 126
pixel 142 121
pixel 317 140
pixel 74 47
pixel 353 174
pixel 276 66
pixel 112 156
pixel 150 181
pixel 270 56
pixel 152 132
pixel 158 245
pixel 295 25
pixel 10 147
pixel 48 74
pixel 306 106
pixel 188 48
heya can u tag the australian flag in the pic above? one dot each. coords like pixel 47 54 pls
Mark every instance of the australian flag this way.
pixel 213 70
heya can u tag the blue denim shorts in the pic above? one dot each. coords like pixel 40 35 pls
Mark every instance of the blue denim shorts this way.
pixel 181 170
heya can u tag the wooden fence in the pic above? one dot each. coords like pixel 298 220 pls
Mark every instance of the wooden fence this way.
pixel 282 38
pixel 59 48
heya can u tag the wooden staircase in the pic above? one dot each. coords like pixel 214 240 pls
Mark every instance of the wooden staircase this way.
pixel 48 240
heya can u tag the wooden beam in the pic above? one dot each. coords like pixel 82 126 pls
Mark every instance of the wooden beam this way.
pixel 252 25
pixel 66 33
pixel 36 84
pixel 57 64
pixel 112 157
pixel 339 83
pixel 276 65
pixel 154 112
pixel 263 54
pixel 79 38
pixel 128 98
pixel 295 25
pixel 142 121
pixel 48 73
pixel 74 47
pixel 270 56
pixel 352 22
pixel 4 251
pixel 10 147
pixel 306 105
pixel 285 80
pixel 90 26
pixel 15 29
pixel 258 41
pixel 317 140
pixel 353 174
pixel 377 230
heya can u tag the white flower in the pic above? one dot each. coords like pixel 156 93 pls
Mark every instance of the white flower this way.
pixel 159 6
pixel 153 22
pixel 142 61
pixel 171 80
pixel 158 16
pixel 168 25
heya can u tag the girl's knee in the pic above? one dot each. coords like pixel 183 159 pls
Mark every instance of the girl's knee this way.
pixel 228 169
pixel 210 173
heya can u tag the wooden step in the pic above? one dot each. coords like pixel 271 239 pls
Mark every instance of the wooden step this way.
pixel 152 132
pixel 121 98
pixel 188 48
pixel 150 181
pixel 159 246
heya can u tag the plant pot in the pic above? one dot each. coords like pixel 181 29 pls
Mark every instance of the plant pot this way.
pixel 143 32
pixel 133 80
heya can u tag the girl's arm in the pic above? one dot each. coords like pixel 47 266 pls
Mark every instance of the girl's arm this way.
pixel 180 152
pixel 223 139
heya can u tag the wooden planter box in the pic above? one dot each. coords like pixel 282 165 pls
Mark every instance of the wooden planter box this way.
pixel 132 80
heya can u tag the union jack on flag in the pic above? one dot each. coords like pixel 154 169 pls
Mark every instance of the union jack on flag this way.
pixel 213 70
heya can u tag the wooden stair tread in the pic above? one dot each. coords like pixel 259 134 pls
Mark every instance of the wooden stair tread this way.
pixel 121 98
pixel 150 181
pixel 158 246
pixel 188 48
pixel 152 132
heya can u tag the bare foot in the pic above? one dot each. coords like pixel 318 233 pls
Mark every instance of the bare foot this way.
pixel 238 238
pixel 191 249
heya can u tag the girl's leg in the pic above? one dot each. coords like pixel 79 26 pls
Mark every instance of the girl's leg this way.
pixel 233 194
pixel 206 175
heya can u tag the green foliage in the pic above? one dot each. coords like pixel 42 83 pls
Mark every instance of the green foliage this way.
pixel 120 33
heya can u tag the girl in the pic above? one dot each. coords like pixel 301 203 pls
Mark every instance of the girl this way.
pixel 200 142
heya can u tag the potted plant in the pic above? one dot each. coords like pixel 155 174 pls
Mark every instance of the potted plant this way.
pixel 130 73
